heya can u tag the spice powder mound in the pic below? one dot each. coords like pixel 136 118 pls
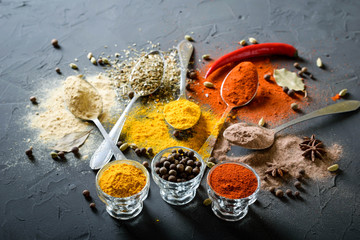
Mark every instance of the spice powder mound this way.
pixel 270 102
pixel 54 120
pixel 286 154
pixel 146 127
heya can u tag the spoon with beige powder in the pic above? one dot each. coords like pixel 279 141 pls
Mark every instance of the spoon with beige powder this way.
pixel 257 138
pixel 84 102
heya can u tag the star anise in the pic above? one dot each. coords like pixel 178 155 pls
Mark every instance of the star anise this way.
pixel 313 148
pixel 275 170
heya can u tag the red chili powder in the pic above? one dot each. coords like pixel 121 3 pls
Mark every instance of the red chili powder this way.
pixel 270 102
pixel 336 97
pixel 233 181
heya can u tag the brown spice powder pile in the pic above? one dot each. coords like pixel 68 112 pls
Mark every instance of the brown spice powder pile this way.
pixel 285 153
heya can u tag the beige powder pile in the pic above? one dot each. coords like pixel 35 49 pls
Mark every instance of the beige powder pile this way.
pixel 55 120
pixel 285 153
pixel 82 99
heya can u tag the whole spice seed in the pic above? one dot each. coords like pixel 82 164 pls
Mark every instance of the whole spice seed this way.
pixel 294 106
pixel 89 55
pixel 297 65
pixel 206 57
pixel 29 152
pixel 253 40
pixel 133 146
pixel 61 154
pixel 285 89
pixel 92 205
pixel 207 202
pixel 279 193
pixel 208 84
pixel 261 122
pixel 124 146
pixel 288 192
pixel 304 69
pixel 188 37
pixel 150 151
pixel 57 70
pixel 53 154
pixel 272 189
pixel 343 92
pixel 267 77
pixel 86 193
pixel 93 60
pixel 75 150
pixel 192 74
pixel 242 42
pixel 33 99
pixel 145 164
pixel 297 184
pixel 319 63
pixel 297 194
pixel 73 66
pixel 333 168
pixel 55 43
pixel 290 92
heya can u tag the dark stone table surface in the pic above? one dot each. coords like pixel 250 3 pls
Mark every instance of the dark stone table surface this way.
pixel 42 199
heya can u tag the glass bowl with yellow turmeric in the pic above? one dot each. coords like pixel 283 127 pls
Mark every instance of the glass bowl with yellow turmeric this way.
pixel 178 172
pixel 123 185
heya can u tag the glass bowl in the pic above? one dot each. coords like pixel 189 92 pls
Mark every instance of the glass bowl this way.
pixel 231 209
pixel 127 207
pixel 177 193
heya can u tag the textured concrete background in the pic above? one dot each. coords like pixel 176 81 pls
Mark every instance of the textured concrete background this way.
pixel 42 199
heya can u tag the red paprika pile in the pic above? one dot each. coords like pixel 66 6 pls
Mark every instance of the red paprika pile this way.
pixel 270 102
pixel 233 181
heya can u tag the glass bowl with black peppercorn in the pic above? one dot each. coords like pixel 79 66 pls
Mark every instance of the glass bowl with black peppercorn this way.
pixel 178 172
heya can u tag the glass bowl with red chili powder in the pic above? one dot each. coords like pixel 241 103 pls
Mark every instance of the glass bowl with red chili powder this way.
pixel 178 172
pixel 232 187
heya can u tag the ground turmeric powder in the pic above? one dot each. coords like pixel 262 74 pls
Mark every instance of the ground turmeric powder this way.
pixel 182 114
pixel 122 180
pixel 146 127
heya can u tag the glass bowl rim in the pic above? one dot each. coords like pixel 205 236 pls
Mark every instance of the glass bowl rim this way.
pixel 137 164
pixel 238 163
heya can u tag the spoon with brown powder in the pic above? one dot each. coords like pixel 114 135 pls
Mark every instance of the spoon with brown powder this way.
pixel 146 77
pixel 84 102
pixel 257 138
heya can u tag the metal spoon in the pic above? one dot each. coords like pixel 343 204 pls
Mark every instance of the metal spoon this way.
pixel 341 107
pixel 207 148
pixel 118 154
pixel 185 50
pixel 103 155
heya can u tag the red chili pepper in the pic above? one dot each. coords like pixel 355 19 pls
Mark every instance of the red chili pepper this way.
pixel 256 50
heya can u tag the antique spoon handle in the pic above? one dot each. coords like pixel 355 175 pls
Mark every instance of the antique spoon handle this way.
pixel 185 49
pixel 341 107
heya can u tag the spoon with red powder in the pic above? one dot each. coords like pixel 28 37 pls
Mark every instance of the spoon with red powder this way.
pixel 256 137
pixel 238 89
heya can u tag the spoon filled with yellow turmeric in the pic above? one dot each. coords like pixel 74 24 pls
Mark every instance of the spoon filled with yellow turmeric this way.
pixel 182 114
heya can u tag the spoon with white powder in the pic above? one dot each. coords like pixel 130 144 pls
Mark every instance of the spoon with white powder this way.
pixel 83 100
pixel 257 138
pixel 146 77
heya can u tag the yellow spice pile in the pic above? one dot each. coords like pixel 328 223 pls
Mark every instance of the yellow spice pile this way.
pixel 146 127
